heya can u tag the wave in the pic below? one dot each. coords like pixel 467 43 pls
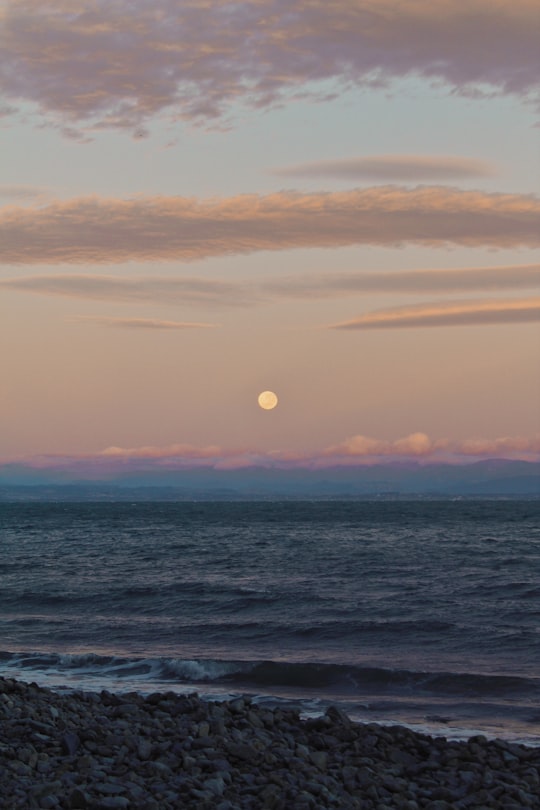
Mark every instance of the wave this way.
pixel 264 676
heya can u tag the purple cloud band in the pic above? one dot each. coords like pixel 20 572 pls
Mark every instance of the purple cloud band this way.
pixel 402 168
pixel 114 63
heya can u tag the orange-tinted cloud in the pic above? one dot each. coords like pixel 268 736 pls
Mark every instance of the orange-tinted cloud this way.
pixel 114 63
pixel 417 444
pixel 97 230
pixel 402 168
pixel 457 313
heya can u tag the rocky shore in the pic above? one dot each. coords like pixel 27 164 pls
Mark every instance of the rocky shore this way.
pixel 165 751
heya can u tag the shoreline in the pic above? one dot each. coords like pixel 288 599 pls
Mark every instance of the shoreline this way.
pixel 167 751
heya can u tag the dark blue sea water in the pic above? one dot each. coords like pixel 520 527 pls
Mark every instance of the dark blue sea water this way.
pixel 425 613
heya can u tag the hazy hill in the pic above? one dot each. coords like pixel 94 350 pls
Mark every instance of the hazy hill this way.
pixel 493 478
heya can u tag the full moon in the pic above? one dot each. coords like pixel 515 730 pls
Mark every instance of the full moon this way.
pixel 267 400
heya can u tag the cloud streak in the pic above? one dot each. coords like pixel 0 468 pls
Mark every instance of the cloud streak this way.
pixel 155 290
pixel 114 63
pixel 214 293
pixel 180 451
pixel 23 192
pixel 98 230
pixel 457 313
pixel 144 323
pixel 402 168
pixel 408 282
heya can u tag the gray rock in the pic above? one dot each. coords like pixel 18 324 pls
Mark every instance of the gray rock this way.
pixel 114 802
pixel 169 752
pixel 109 788
pixel 70 743
pixel 49 802
pixel 144 749
pixel 215 786
pixel 242 751
pixel 79 800
pixel 337 716
pixel 319 759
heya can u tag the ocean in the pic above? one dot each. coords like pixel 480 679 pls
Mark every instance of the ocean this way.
pixel 422 613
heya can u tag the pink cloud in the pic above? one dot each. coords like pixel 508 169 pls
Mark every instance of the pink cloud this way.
pixel 356 450
pixel 114 63
pixel 416 444
pixel 504 446
pixel 173 451
pixel 419 446
pixel 98 230
pixel 456 313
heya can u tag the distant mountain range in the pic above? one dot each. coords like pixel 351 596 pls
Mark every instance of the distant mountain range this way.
pixel 491 478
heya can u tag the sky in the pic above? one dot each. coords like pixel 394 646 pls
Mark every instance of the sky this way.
pixel 201 200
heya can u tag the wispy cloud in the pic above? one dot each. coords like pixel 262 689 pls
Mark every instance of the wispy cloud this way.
pixel 144 323
pixel 401 168
pixel 180 228
pixel 408 282
pixel 21 192
pixel 172 451
pixel 116 64
pixel 457 313
pixel 214 293
pixel 155 290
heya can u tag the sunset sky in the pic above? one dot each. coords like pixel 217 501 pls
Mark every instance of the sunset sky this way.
pixel 201 200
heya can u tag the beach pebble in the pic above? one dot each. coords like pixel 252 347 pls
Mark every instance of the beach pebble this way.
pixel 79 800
pixel 113 803
pixel 164 752
pixel 144 749
pixel 70 743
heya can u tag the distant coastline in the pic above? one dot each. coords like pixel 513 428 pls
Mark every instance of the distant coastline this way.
pixel 495 478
